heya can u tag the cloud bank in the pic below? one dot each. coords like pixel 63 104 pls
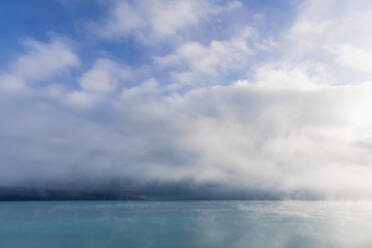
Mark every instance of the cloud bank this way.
pixel 252 113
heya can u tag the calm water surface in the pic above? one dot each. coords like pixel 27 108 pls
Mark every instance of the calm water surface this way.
pixel 247 224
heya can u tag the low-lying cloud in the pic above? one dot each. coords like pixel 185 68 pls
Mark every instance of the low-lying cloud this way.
pixel 245 136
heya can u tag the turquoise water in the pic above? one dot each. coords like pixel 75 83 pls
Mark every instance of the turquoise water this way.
pixel 185 224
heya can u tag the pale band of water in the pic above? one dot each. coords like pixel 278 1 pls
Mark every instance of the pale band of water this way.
pixel 185 224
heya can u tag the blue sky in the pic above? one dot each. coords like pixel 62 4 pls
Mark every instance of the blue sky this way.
pixel 272 96
pixel 40 20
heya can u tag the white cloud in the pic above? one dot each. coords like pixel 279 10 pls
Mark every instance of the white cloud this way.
pixel 250 135
pixel 169 17
pixel 297 125
pixel 199 61
pixel 81 100
pixel 104 76
pixel 54 92
pixel 123 20
pixel 10 83
pixel 282 75
pixel 159 19
pixel 43 61
pixel 148 87
pixel 335 33
pixel 352 57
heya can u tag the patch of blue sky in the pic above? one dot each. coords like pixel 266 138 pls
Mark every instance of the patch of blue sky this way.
pixel 74 21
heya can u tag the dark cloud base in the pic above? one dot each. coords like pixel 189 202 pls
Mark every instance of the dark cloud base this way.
pixel 186 190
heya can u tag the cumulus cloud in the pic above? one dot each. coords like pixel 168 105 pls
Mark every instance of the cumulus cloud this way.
pixel 160 19
pixel 148 87
pixel 352 57
pixel 336 34
pixel 98 82
pixel 104 76
pixel 81 99
pixel 41 62
pixel 195 61
pixel 11 83
pixel 44 60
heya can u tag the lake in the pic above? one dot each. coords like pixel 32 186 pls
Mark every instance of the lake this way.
pixel 160 224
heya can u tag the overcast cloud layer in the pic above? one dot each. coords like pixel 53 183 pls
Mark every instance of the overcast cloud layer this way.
pixel 221 96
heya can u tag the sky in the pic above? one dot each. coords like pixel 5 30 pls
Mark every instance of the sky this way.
pixel 267 98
